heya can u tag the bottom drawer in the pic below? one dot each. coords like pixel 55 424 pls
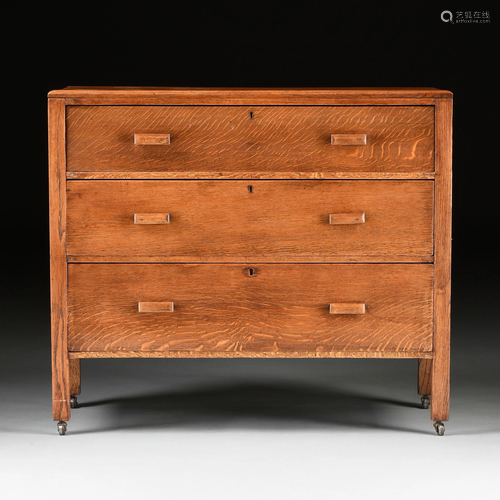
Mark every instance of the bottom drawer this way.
pixel 263 308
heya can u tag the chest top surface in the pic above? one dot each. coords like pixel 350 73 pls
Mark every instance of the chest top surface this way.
pixel 249 95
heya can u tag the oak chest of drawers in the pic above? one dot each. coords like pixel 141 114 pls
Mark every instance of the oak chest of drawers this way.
pixel 250 223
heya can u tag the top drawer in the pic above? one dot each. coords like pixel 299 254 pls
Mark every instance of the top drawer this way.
pixel 250 139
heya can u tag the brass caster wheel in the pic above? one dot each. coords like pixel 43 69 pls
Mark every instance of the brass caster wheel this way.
pixel 426 401
pixel 74 402
pixel 62 427
pixel 439 426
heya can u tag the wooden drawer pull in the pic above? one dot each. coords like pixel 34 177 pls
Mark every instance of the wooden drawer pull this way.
pixel 156 307
pixel 348 139
pixel 151 218
pixel 347 308
pixel 151 139
pixel 347 218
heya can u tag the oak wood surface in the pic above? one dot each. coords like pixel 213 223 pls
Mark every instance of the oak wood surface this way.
pixel 424 376
pixel 347 218
pixel 348 139
pixel 249 354
pixel 277 310
pixel 350 92
pixel 442 267
pixel 74 377
pixel 224 221
pixel 335 259
pixel 244 100
pixel 155 307
pixel 152 139
pixel 347 308
pixel 250 96
pixel 252 175
pixel 150 218
pixel 226 138
pixel 58 269
pixel 278 307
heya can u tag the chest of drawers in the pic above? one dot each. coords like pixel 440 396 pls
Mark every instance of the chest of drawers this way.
pixel 250 223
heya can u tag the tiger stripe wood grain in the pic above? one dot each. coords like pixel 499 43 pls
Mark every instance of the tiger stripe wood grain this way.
pixel 424 376
pixel 249 354
pixel 247 259
pixel 285 138
pixel 58 269
pixel 221 307
pixel 223 221
pixel 251 175
pixel 442 268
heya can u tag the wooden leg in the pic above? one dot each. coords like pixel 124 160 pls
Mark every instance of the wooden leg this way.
pixel 440 384
pixel 61 397
pixel 74 377
pixel 424 377
pixel 58 266
pixel 440 373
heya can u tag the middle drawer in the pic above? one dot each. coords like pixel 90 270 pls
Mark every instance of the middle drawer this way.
pixel 230 221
